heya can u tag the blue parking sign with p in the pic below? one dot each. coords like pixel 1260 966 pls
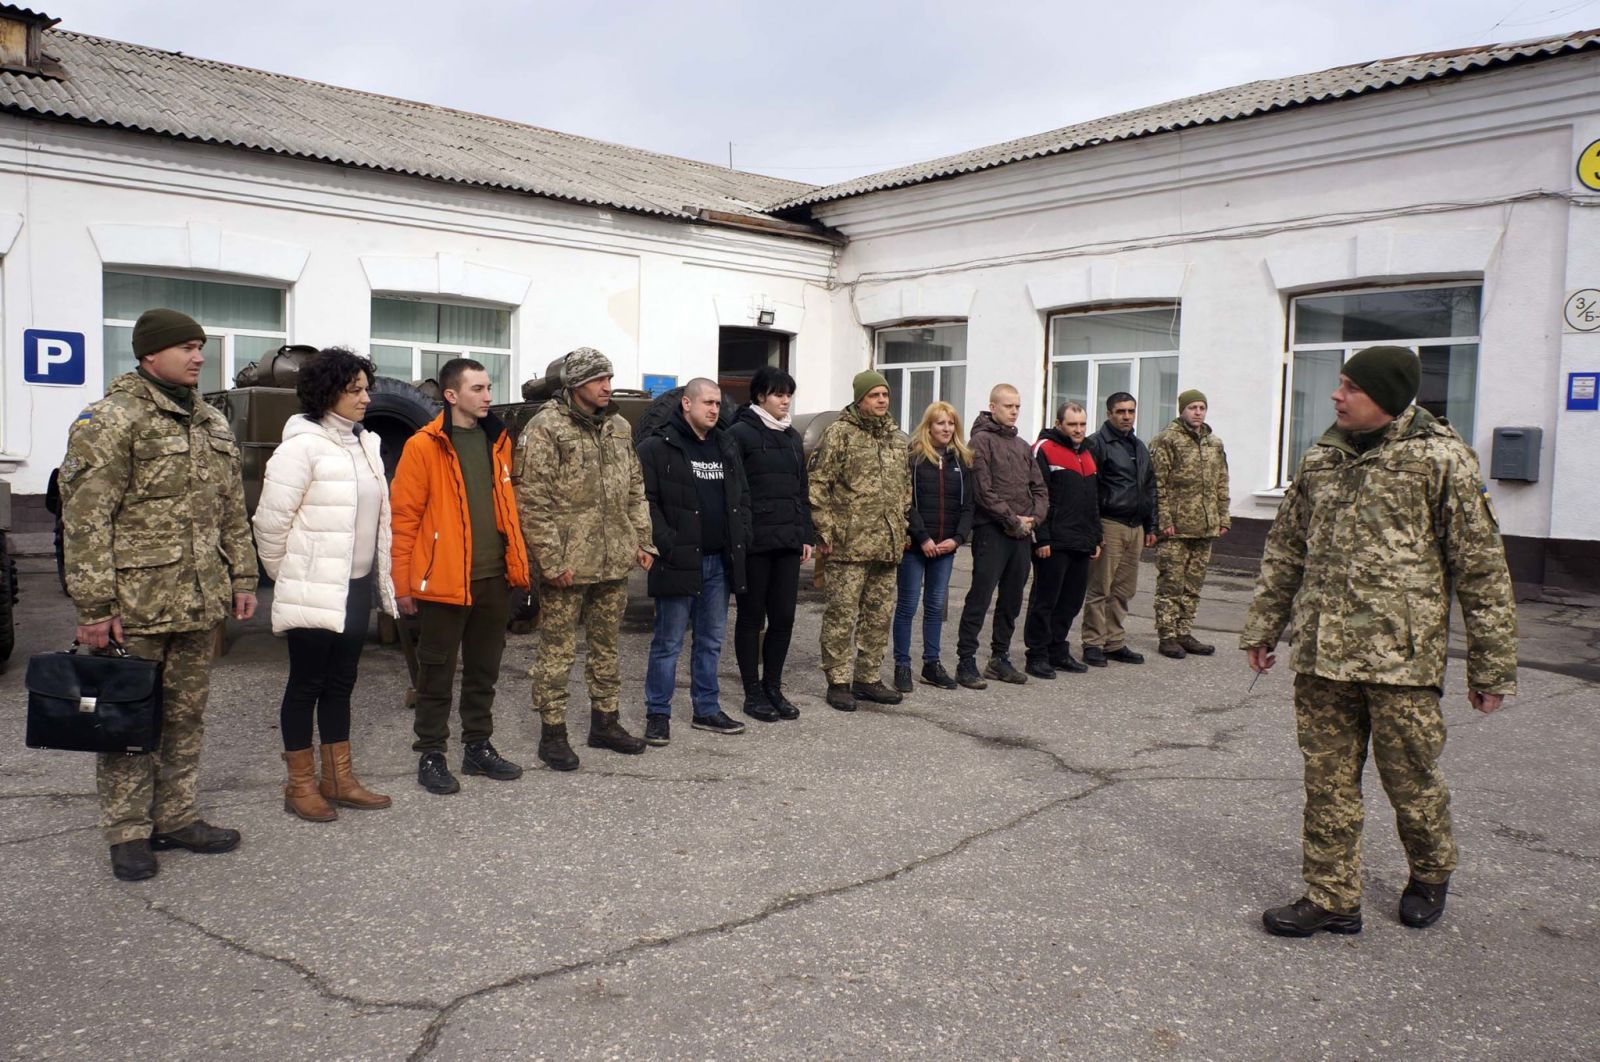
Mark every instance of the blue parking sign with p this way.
pixel 52 357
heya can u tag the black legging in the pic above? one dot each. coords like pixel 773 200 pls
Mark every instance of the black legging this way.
pixel 322 674
pixel 773 582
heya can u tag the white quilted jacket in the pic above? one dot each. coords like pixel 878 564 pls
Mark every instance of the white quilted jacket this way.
pixel 306 526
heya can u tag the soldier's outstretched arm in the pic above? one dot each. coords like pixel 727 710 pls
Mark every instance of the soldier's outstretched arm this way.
pixel 1283 565
pixel 1475 559
pixel 94 477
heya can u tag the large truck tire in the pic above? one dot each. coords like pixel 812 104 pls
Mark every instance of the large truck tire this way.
pixel 398 411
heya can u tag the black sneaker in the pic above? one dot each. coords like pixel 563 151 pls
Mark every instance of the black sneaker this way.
pixel 967 674
pixel 481 758
pixel 433 774
pixel 876 692
pixel 758 706
pixel 840 698
pixel 1305 917
pixel 658 730
pixel 1065 661
pixel 779 701
pixel 934 674
pixel 133 860
pixel 1125 655
pixel 718 724
pixel 902 678
pixel 1094 656
pixel 1422 903
pixel 1000 668
pixel 198 836
pixel 1039 669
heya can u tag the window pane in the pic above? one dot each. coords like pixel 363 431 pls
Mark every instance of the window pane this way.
pixel 214 304
pixel 118 351
pixel 921 396
pixel 1376 317
pixel 1316 375
pixel 409 322
pixel 433 360
pixel 1071 385
pixel 1132 332
pixel 1110 377
pixel 499 366
pixel 934 343
pixel 474 326
pixel 392 361
pixel 897 394
pixel 1450 384
pixel 953 388
pixel 1158 395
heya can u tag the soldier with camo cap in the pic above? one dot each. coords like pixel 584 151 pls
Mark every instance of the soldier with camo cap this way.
pixel 1191 470
pixel 1386 516
pixel 581 494
pixel 158 554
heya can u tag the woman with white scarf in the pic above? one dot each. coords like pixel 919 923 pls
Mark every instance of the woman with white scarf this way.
pixel 775 465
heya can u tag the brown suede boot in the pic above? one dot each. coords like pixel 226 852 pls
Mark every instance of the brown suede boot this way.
pixel 300 796
pixel 339 781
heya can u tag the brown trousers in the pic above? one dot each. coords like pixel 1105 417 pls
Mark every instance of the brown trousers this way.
pixel 1113 580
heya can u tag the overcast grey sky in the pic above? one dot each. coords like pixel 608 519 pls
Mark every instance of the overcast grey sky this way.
pixel 815 91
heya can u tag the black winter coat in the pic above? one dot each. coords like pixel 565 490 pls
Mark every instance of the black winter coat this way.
pixel 780 499
pixel 674 497
pixel 1127 480
pixel 1069 472
pixel 942 500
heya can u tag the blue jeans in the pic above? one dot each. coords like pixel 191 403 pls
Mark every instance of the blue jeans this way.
pixel 929 579
pixel 707 614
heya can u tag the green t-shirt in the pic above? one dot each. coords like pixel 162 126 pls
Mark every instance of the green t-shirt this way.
pixel 477 473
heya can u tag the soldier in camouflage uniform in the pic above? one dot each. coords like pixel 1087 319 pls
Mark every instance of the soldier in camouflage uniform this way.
pixel 860 490
pixel 1386 516
pixel 581 495
pixel 1191 470
pixel 158 554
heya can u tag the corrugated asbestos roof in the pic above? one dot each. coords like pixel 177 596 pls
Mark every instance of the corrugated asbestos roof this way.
pixel 1241 101
pixel 127 86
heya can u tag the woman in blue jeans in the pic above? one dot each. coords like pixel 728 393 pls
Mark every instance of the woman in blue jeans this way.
pixel 939 522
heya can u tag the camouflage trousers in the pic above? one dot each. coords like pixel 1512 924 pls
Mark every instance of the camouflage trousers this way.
pixel 1335 720
pixel 860 598
pixel 599 607
pixel 1180 576
pixel 156 792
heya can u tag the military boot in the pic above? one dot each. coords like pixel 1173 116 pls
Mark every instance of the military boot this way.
pixel 198 836
pixel 1305 917
pixel 554 749
pixel 1191 644
pixel 1423 902
pixel 605 732
pixel 300 795
pixel 757 705
pixel 840 697
pixel 1171 647
pixel 133 860
pixel 874 691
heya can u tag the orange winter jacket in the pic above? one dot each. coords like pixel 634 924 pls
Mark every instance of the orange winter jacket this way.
pixel 432 545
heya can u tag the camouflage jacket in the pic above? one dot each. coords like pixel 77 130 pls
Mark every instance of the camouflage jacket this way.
pixel 152 513
pixel 860 489
pixel 581 494
pixel 1191 480
pixel 1365 552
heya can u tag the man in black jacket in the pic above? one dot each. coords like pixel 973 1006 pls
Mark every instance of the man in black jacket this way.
pixel 1128 524
pixel 1064 544
pixel 700 521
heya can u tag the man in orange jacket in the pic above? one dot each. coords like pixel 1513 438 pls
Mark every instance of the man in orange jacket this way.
pixel 457 550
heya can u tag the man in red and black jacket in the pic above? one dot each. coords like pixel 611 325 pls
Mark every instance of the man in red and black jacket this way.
pixel 1064 544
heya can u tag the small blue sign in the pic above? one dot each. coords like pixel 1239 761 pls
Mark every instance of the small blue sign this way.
pixel 659 385
pixel 1583 391
pixel 52 358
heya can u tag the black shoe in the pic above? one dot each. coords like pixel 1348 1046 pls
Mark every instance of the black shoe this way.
pixel 1304 917
pixel 481 758
pixel 876 692
pixel 198 836
pixel 1170 647
pixel 133 860
pixel 554 748
pixel 433 774
pixel 1191 644
pixel 779 701
pixel 718 724
pixel 840 698
pixel 902 678
pixel 967 674
pixel 658 730
pixel 605 732
pixel 1000 668
pixel 1068 663
pixel 934 674
pixel 1125 655
pixel 1094 656
pixel 757 705
pixel 1422 903
pixel 1039 669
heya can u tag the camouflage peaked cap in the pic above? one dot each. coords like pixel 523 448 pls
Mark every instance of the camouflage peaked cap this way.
pixel 583 365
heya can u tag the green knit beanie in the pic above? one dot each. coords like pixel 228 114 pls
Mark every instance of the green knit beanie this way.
pixel 156 330
pixel 866 381
pixel 1191 395
pixel 1391 375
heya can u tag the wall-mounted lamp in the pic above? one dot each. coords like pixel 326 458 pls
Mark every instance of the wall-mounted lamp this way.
pixel 765 318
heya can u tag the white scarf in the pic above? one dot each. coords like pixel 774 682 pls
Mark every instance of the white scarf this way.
pixel 770 421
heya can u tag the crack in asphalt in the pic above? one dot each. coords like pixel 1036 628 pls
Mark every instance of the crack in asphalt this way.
pixel 1530 840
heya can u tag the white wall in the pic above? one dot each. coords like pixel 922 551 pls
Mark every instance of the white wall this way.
pixel 650 293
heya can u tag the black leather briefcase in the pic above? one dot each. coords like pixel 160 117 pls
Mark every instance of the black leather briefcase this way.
pixel 82 702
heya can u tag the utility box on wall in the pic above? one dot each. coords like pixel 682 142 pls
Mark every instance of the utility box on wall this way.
pixel 1516 454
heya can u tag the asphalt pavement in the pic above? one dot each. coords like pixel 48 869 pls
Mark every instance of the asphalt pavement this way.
pixel 1070 869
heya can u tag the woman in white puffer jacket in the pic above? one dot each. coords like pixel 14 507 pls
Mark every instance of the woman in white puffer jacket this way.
pixel 322 532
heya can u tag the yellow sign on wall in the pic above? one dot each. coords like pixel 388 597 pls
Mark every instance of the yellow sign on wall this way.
pixel 1589 167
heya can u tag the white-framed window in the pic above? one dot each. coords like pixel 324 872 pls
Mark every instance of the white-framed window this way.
pixel 1096 353
pixel 243 322
pixel 923 363
pixel 1440 323
pixel 412 338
